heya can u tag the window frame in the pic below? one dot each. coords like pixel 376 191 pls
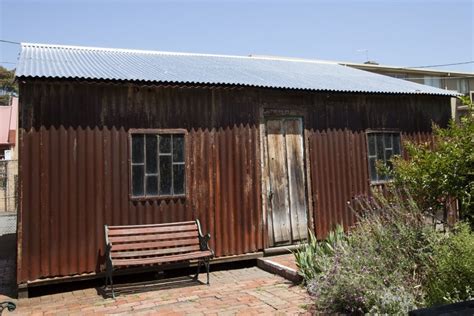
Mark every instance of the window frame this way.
pixel 380 131
pixel 157 131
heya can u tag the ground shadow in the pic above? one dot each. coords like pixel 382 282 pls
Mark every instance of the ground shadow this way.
pixel 149 285
pixel 139 282
pixel 8 265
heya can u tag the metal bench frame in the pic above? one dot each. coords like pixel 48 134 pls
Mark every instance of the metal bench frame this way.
pixel 203 245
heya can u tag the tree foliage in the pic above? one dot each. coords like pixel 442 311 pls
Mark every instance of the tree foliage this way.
pixel 437 176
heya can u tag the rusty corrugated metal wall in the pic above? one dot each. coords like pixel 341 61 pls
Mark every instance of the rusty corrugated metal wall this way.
pixel 74 167
pixel 74 172
pixel 339 173
pixel 337 125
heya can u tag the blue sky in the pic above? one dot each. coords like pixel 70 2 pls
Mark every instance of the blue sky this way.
pixel 401 33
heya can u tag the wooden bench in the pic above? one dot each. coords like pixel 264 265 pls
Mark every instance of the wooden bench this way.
pixel 157 244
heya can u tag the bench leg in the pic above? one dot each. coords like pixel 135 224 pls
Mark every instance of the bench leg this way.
pixel 112 286
pixel 108 280
pixel 207 269
pixel 198 270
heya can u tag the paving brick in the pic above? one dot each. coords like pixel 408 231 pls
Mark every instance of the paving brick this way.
pixel 248 291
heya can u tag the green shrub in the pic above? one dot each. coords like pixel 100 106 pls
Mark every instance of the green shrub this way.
pixel 436 176
pixel 452 277
pixel 383 263
pixel 392 262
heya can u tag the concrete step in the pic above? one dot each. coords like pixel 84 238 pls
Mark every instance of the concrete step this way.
pixel 283 266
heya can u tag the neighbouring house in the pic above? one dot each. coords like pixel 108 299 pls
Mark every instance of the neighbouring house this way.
pixel 462 82
pixel 8 156
pixel 8 130
pixel 259 149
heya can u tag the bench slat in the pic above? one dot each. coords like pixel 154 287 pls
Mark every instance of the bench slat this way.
pixel 163 259
pixel 156 244
pixel 155 252
pixel 151 225
pixel 137 238
pixel 151 230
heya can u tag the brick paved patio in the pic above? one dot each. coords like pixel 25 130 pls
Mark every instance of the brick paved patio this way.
pixel 245 291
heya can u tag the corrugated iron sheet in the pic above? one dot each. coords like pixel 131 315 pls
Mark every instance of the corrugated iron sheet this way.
pixel 339 174
pixel 74 167
pixel 74 176
pixel 57 61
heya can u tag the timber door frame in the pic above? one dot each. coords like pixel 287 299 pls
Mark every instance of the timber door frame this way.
pixel 282 112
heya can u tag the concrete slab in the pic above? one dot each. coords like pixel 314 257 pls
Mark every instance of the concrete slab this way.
pixel 282 265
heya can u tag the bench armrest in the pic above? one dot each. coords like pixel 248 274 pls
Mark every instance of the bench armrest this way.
pixel 204 242
pixel 203 239
pixel 108 249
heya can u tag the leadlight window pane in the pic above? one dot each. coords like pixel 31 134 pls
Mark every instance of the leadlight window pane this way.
pixel 380 147
pixel 151 150
pixel 151 185
pixel 178 179
pixel 388 140
pixel 372 144
pixel 158 164
pixel 165 175
pixel 388 156
pixel 165 144
pixel 178 148
pixel 396 144
pixel 137 180
pixel 137 148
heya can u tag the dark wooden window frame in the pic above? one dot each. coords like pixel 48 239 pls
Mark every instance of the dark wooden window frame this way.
pixel 369 156
pixel 157 132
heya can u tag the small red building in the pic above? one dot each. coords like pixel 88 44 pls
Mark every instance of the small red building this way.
pixel 259 149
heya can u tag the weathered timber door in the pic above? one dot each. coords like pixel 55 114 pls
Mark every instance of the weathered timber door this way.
pixel 287 209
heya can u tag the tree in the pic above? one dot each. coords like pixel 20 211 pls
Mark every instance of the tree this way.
pixel 445 173
pixel 7 85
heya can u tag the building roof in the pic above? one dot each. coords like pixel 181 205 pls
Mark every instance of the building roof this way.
pixel 76 62
pixel 8 122
pixel 432 72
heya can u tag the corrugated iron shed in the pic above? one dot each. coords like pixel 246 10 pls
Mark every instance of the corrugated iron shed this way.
pixel 74 62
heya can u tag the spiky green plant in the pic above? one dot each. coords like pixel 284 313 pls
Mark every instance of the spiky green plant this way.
pixel 312 257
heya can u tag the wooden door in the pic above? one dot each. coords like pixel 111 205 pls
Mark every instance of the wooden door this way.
pixel 287 213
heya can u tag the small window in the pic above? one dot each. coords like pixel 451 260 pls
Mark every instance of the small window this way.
pixel 381 147
pixel 462 85
pixel 158 164
pixel 433 81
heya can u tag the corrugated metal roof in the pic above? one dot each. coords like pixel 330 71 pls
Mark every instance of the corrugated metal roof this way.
pixel 58 61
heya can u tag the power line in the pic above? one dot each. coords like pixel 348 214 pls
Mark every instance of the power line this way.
pixel 442 65
pixel 7 62
pixel 9 42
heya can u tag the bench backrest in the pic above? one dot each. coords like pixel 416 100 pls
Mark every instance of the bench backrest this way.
pixel 144 242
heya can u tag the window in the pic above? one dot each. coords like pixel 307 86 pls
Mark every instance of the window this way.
pixel 462 85
pixel 399 76
pixel 432 81
pixel 158 164
pixel 382 146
